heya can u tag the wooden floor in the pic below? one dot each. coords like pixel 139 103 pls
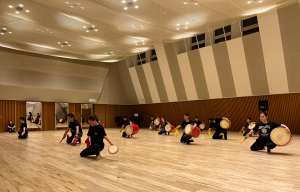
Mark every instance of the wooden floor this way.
pixel 147 162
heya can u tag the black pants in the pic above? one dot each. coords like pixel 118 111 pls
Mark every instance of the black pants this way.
pixel 246 132
pixel 185 138
pixel 92 150
pixel 24 136
pixel 73 135
pixel 218 136
pixel 11 130
pixel 261 142
pixel 124 134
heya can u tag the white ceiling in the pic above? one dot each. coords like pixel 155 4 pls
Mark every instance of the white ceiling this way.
pixel 118 30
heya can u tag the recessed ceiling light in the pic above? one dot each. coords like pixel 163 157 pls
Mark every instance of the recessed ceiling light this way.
pixel 69 45
pixel 67 2
pixel 260 1
pixel 66 42
pixel 17 12
pixel 135 0
pixel 87 31
pixel 84 26
pixel 111 52
pixel 186 27
pixel 21 5
pixel 187 23
pixel 136 44
pixel 136 6
pixel 135 41
pixel 2 33
pixel 125 8
pixel 185 3
pixel 10 6
pixel 4 28
pixel 143 40
pixel 50 32
pixel 27 11
pixel 142 28
pixel 9 32
pixel 93 25
pixel 96 29
pixel 82 7
pixel 123 1
pixel 71 6
pixel 143 43
pixel 177 29
pixel 58 42
pixel 178 23
pixel 196 3
pixel 62 46
pixel 249 2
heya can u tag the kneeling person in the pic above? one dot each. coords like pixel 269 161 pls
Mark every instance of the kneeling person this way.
pixel 11 127
pixel 215 123
pixel 163 125
pixel 185 138
pixel 125 123
pixel 96 134
pixel 75 129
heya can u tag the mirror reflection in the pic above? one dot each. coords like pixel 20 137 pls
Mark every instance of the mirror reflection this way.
pixel 34 114
pixel 61 112
pixel 86 111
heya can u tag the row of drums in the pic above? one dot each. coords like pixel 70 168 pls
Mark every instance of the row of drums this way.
pixel 280 136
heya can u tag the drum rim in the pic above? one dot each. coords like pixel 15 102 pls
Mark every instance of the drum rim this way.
pixel 125 129
pixel 203 125
pixel 254 124
pixel 284 144
pixel 228 123
pixel 199 132
pixel 116 151
pixel 168 126
pixel 157 120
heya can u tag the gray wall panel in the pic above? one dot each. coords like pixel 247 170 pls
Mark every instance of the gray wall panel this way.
pixel 157 73
pixel 144 84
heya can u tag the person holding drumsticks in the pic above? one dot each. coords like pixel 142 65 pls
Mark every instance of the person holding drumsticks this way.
pixel 163 125
pixel 215 123
pixel 264 127
pixel 246 127
pixel 185 138
pixel 198 122
pixel 152 125
pixel 97 134
pixel 125 123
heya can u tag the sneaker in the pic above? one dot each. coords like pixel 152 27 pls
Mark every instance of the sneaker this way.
pixel 188 142
pixel 225 136
pixel 269 150
pixel 191 140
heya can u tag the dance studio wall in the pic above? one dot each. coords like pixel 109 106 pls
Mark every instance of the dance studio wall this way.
pixel 33 77
pixel 11 110
pixel 283 108
pixel 262 63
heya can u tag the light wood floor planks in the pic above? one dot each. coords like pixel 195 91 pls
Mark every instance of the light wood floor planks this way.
pixel 147 162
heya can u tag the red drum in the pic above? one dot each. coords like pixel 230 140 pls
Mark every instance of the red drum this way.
pixel 169 128
pixel 131 130
pixel 102 124
pixel 192 132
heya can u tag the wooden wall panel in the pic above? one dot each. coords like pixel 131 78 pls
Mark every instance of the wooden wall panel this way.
pixel 110 115
pixel 11 110
pixel 20 112
pixel 48 116
pixel 78 112
pixel 100 111
pixel 72 108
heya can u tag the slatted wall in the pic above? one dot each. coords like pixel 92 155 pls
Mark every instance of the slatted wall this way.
pixel 283 109
pixel 11 110
pixel 48 116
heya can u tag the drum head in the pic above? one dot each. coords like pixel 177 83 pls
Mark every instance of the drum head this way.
pixel 128 130
pixel 168 128
pixel 113 149
pixel 201 126
pixel 188 129
pixel 156 121
pixel 251 126
pixel 280 136
pixel 224 124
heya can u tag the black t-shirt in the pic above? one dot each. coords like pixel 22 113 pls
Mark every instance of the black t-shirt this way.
pixel 198 123
pixel 152 121
pixel 265 129
pixel 246 125
pixel 22 127
pixel 74 124
pixel 11 125
pixel 125 123
pixel 163 124
pixel 97 134
pixel 184 123
pixel 216 124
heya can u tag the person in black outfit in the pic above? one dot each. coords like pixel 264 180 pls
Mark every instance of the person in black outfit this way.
pixel 215 123
pixel 75 129
pixel 97 134
pixel 125 123
pixel 198 122
pixel 185 138
pixel 264 127
pixel 83 120
pixel 23 132
pixel 30 117
pixel 37 119
pixel 11 127
pixel 246 127
pixel 152 126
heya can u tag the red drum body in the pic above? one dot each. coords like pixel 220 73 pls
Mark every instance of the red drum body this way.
pixel 131 130
pixel 192 132
pixel 169 128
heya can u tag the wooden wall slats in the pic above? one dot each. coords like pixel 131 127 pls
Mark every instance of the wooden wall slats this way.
pixel 48 116
pixel 78 112
pixel 72 108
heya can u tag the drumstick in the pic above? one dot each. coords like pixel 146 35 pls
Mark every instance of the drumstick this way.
pixel 120 131
pixel 244 139
pixel 83 147
pixel 208 133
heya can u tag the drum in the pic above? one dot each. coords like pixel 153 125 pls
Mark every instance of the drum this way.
pixel 202 126
pixel 251 126
pixel 280 136
pixel 156 122
pixel 225 124
pixel 169 128
pixel 131 130
pixel 113 149
pixel 102 124
pixel 192 132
